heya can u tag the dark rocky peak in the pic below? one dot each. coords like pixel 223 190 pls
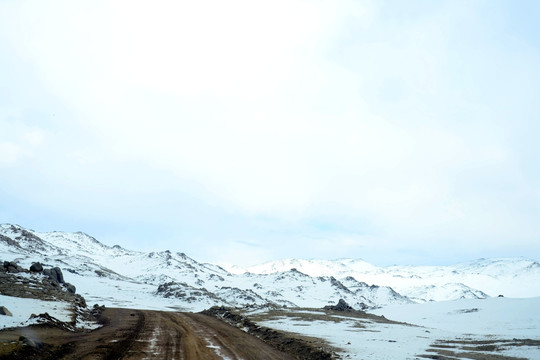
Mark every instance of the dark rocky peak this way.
pixel 356 282
pixel 338 284
pixel 118 250
pixel 24 239
pixel 340 306
pixel 296 272
pixel 10 242
pixel 12 227
pixel 27 235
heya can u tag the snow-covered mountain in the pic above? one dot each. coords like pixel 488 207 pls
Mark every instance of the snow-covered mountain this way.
pixel 120 277
pixel 116 276
pixel 512 277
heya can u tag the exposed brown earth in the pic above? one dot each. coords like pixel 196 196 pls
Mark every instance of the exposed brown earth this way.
pixel 138 334
pixel 302 347
pixel 475 349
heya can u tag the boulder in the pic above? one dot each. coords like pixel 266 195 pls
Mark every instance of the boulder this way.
pixel 5 311
pixel 70 288
pixel 50 278
pixel 30 342
pixel 36 267
pixel 13 270
pixel 55 274
pixel 97 310
pixel 12 267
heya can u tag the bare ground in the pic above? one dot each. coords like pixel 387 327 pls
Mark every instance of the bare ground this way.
pixel 139 334
pixel 476 349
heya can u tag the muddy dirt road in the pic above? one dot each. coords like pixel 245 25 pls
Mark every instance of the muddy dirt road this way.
pixel 140 334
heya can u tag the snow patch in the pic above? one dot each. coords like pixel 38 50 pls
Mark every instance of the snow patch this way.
pixel 23 308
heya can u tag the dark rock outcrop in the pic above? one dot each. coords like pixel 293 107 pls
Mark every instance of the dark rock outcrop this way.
pixel 97 310
pixel 57 275
pixel 54 274
pixel 5 311
pixel 50 321
pixel 70 288
pixel 340 306
pixel 12 267
pixel 36 267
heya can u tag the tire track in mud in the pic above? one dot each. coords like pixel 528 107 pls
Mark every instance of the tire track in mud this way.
pixel 212 338
pixel 121 347
pixel 164 337
pixel 230 342
pixel 143 334
pixel 168 335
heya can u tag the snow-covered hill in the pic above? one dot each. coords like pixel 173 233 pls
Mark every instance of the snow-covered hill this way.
pixel 512 277
pixel 119 277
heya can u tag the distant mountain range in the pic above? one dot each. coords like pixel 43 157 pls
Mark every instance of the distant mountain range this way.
pixel 512 277
pixel 115 276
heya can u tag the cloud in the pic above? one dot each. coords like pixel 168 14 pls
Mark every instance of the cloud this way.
pixel 409 124
pixel 20 142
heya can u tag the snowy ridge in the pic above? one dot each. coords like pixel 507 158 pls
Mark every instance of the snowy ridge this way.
pixel 513 277
pixel 120 277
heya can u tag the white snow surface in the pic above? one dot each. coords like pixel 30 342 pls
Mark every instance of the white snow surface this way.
pixel 23 308
pixel 466 319
pixel 501 317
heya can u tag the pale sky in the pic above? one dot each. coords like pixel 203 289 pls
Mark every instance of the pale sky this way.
pixel 403 132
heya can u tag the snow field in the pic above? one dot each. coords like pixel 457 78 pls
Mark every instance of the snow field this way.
pixel 360 339
pixel 22 308
pixel 501 317
pixel 498 320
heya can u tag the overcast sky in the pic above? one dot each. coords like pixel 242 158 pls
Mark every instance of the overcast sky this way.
pixel 402 132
